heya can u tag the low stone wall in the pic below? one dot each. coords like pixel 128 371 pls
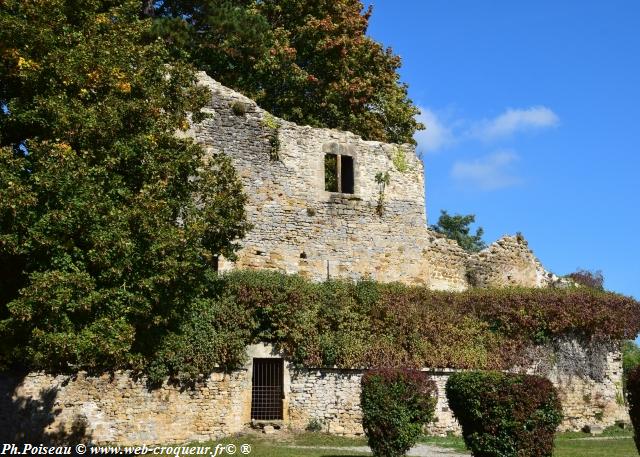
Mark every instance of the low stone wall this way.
pixel 116 408
pixel 332 399
pixel 588 379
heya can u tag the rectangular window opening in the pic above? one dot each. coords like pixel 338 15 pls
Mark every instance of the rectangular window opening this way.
pixel 338 173
pixel 346 176
pixel 331 173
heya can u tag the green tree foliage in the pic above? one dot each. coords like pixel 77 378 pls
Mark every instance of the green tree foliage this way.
pixel 630 356
pixel 633 399
pixel 210 334
pixel 307 62
pixel 505 414
pixel 396 405
pixel 457 228
pixel 109 223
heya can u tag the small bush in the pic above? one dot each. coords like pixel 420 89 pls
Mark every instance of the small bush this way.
pixel 396 404
pixel 315 425
pixel 239 108
pixel 273 127
pixel 633 397
pixel 399 160
pixel 505 415
pixel 586 278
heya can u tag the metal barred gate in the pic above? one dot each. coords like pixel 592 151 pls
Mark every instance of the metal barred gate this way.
pixel 267 389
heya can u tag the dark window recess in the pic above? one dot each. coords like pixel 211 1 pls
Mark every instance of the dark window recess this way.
pixel 267 389
pixel 338 173
pixel 346 176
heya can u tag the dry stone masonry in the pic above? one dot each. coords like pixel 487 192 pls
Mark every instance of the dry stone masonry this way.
pixel 379 231
pixel 116 408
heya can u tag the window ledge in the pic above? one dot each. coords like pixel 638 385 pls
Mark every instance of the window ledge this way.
pixel 342 196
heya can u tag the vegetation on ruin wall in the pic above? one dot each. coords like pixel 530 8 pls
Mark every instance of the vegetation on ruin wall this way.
pixel 357 325
pixel 365 324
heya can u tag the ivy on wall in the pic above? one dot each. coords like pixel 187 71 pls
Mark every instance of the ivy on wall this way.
pixel 369 324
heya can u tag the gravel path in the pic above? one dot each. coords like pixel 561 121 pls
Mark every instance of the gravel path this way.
pixel 420 450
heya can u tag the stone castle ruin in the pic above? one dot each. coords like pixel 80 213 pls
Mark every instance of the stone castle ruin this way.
pixel 324 203
pixel 320 206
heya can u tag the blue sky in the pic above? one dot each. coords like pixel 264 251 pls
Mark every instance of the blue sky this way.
pixel 533 121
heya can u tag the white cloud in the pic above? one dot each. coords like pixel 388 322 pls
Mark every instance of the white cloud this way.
pixel 514 120
pixel 436 134
pixel 490 172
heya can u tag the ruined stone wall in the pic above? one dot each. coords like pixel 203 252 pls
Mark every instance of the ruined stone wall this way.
pixel 119 409
pixel 332 398
pixel 115 408
pixel 301 228
pixel 588 379
pixel 508 261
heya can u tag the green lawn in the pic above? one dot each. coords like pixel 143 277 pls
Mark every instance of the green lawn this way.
pixel 287 445
pixel 613 442
pixel 619 443
pixel 616 444
pixel 620 447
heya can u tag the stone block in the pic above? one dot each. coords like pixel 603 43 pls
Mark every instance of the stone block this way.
pixel 594 429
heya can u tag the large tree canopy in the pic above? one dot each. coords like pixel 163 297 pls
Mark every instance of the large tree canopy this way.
pixel 109 223
pixel 308 62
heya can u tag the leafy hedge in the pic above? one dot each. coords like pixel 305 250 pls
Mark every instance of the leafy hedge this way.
pixel 633 397
pixel 505 415
pixel 345 324
pixel 368 324
pixel 396 404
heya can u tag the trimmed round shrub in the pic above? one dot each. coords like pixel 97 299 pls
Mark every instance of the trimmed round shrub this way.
pixel 396 404
pixel 633 397
pixel 504 414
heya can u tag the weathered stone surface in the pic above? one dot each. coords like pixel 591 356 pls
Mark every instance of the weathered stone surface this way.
pixel 594 429
pixel 301 228
pixel 118 408
pixel 587 378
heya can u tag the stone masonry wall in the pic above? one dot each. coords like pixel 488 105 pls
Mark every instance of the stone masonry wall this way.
pixel 115 408
pixel 301 228
pixel 588 380
pixel 119 409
